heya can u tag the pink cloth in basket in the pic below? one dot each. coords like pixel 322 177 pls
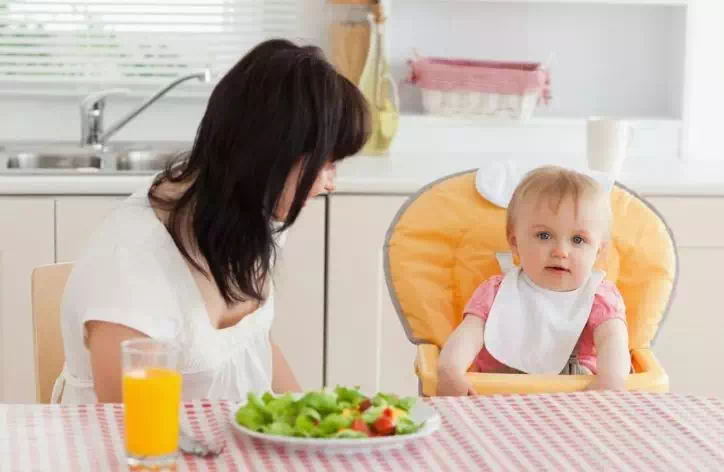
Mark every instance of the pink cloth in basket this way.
pixel 507 78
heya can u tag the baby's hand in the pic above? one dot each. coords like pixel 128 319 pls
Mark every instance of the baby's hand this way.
pixel 607 383
pixel 456 356
pixel 452 384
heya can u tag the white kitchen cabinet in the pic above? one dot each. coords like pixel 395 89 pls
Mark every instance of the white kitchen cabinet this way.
pixel 76 219
pixel 299 325
pixel 366 343
pixel 689 344
pixel 26 241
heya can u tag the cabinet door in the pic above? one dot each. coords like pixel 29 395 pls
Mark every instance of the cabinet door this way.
pixel 689 344
pixel 299 277
pixel 76 219
pixel 299 280
pixel 26 241
pixel 366 343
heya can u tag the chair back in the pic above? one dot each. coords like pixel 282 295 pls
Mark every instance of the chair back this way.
pixel 47 286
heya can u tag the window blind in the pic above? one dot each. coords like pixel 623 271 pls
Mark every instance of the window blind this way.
pixel 47 43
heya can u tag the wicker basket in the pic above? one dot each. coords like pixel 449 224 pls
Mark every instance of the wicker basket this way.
pixel 485 89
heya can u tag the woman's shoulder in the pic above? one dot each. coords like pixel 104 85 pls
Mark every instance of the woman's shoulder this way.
pixel 130 235
pixel 124 286
pixel 127 256
pixel 132 224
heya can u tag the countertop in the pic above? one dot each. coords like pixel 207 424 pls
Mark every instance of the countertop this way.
pixel 401 173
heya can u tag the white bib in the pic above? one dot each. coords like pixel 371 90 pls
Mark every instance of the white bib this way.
pixel 535 330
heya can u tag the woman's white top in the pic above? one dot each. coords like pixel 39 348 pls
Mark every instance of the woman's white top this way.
pixel 133 274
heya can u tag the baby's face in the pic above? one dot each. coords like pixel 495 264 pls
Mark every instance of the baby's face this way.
pixel 557 249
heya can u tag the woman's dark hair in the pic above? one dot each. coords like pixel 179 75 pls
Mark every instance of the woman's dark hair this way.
pixel 279 105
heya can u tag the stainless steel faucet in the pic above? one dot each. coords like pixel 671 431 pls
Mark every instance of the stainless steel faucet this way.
pixel 92 106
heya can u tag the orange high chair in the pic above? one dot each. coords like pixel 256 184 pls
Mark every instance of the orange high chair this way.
pixel 443 243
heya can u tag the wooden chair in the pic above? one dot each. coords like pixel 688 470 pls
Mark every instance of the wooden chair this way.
pixel 47 286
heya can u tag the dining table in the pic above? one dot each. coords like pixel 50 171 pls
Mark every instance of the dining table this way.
pixel 584 431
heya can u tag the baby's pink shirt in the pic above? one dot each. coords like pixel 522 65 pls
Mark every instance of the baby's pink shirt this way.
pixel 607 305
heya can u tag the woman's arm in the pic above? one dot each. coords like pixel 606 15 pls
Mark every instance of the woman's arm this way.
pixel 457 354
pixel 104 344
pixel 283 379
pixel 613 357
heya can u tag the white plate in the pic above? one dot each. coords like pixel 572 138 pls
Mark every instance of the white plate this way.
pixel 421 412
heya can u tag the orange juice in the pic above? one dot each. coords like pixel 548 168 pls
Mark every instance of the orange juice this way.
pixel 151 399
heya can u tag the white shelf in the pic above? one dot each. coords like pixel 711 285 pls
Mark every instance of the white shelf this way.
pixel 535 122
pixel 657 137
pixel 600 2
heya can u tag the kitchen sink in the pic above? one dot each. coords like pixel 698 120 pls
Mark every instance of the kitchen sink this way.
pixel 120 158
pixel 146 159
pixel 55 158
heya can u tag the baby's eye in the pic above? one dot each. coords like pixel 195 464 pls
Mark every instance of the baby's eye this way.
pixel 543 236
pixel 577 240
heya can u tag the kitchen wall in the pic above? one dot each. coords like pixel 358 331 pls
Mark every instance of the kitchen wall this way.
pixel 609 59
pixel 621 60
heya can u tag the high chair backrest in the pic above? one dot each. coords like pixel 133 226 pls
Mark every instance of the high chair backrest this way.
pixel 48 284
pixel 443 243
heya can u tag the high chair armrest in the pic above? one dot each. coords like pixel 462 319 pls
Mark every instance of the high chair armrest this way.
pixel 426 368
pixel 649 375
pixel 490 384
pixel 497 384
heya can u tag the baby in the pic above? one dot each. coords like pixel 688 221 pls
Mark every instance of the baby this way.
pixel 555 313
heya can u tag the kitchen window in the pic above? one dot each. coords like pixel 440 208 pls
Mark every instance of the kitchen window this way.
pixel 72 46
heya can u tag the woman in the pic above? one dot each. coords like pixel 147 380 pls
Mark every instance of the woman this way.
pixel 190 258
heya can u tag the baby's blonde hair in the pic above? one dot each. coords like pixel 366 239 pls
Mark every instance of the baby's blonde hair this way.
pixel 556 184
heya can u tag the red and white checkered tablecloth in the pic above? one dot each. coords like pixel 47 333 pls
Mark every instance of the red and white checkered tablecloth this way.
pixel 583 431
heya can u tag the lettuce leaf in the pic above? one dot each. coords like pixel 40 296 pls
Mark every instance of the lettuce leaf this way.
pixel 255 414
pixel 406 403
pixel 352 396
pixel 405 425
pixel 384 399
pixel 278 428
pixel 371 414
pixel 325 402
pixel 278 406
pixel 333 423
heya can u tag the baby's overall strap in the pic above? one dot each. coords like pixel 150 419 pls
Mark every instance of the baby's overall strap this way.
pixel 574 366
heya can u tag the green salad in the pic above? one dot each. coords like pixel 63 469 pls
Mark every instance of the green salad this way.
pixel 339 413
